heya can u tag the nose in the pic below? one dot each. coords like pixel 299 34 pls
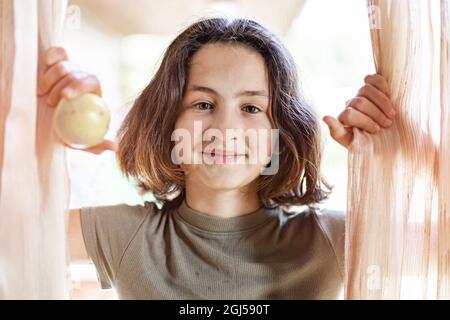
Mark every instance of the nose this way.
pixel 226 128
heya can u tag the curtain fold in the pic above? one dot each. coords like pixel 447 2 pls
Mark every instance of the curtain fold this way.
pixel 444 157
pixel 34 185
pixel 397 229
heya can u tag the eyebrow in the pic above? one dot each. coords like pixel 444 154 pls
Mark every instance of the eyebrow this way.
pixel 248 93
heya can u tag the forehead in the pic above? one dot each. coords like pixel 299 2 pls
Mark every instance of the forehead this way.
pixel 230 64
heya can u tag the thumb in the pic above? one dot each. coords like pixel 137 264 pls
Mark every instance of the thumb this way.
pixel 338 132
pixel 104 146
pixel 110 145
pixel 100 148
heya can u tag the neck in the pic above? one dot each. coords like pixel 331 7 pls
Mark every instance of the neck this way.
pixel 221 203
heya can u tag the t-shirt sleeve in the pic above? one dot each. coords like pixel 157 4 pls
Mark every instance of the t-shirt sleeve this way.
pixel 107 232
pixel 333 225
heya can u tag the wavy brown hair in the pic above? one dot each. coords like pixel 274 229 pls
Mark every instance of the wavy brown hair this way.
pixel 145 135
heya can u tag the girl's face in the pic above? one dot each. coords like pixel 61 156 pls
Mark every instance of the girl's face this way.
pixel 225 104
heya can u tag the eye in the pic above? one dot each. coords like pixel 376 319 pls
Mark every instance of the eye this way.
pixel 203 106
pixel 252 109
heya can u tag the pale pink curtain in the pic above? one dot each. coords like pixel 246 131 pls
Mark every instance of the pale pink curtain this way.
pixel 34 185
pixel 444 157
pixel 398 227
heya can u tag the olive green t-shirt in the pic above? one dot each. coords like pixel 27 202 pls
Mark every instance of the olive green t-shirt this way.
pixel 144 253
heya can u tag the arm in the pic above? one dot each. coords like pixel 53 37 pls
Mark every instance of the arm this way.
pixel 370 110
pixel 76 245
pixel 62 79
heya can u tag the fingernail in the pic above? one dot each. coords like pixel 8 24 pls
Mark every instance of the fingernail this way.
pixel 388 122
pixel 377 128
pixel 68 93
pixel 392 113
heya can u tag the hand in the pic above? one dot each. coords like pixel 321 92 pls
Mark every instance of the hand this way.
pixel 370 110
pixel 63 79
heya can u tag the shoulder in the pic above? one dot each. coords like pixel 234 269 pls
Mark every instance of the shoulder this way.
pixel 332 221
pixel 123 216
pixel 121 209
pixel 332 225
pixel 107 231
pixel 318 221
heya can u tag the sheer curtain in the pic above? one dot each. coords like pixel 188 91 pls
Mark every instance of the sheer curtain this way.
pixel 34 186
pixel 398 228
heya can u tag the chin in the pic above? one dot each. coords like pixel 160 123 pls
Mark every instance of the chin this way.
pixel 225 178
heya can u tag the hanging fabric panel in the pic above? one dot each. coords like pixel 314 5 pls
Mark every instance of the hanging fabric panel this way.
pixel 34 185
pixel 397 228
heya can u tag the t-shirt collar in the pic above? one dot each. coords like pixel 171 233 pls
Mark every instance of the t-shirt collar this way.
pixel 211 223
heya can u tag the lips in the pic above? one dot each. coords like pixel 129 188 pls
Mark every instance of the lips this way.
pixel 223 154
pixel 222 157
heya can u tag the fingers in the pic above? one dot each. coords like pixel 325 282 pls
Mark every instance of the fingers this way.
pixel 56 92
pixel 338 132
pixel 79 86
pixel 53 74
pixel 73 85
pixel 54 55
pixel 354 118
pixel 63 78
pixel 378 98
pixel 100 148
pixel 111 145
pixel 105 145
pixel 379 82
pixel 368 108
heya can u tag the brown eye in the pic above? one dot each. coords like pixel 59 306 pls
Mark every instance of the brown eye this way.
pixel 251 109
pixel 203 106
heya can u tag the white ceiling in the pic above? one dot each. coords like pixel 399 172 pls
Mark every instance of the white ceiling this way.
pixel 172 16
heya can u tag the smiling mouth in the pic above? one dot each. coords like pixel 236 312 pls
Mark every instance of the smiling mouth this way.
pixel 223 158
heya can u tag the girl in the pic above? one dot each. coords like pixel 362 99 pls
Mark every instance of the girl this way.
pixel 224 230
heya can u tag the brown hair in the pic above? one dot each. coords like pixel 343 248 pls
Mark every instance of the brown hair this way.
pixel 145 135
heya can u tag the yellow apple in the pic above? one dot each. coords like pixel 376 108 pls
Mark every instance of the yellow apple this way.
pixel 81 122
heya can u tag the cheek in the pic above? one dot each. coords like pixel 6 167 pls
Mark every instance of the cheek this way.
pixel 187 136
pixel 183 121
pixel 261 141
pixel 186 123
